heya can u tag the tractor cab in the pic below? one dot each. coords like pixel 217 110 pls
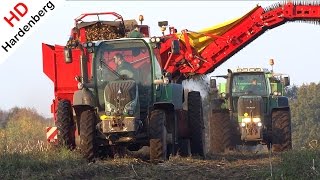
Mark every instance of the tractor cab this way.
pixel 249 82
pixel 122 74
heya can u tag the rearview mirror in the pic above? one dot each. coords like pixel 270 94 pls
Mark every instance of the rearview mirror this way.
pixel 213 83
pixel 175 47
pixel 286 81
pixel 162 23
pixel 67 55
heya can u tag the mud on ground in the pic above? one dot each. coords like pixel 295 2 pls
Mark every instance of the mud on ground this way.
pixel 233 165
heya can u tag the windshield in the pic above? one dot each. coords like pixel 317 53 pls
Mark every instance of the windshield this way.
pixel 126 59
pixel 249 84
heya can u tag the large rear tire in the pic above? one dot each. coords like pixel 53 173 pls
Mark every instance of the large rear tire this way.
pixel 195 116
pixel 87 134
pixel 222 132
pixel 281 131
pixel 184 149
pixel 65 125
pixel 158 136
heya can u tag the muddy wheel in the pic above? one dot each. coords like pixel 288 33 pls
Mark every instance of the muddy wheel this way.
pixel 222 132
pixel 87 134
pixel 158 136
pixel 184 148
pixel 65 125
pixel 195 116
pixel 281 131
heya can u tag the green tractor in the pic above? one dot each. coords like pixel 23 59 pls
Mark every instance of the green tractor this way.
pixel 115 110
pixel 250 109
pixel 114 93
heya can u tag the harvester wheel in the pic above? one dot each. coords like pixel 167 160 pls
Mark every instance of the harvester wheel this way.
pixel 281 131
pixel 65 125
pixel 195 116
pixel 87 134
pixel 158 136
pixel 222 132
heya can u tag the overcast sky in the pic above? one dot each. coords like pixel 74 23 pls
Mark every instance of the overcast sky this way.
pixel 293 46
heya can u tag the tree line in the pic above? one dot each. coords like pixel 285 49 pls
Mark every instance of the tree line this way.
pixel 305 114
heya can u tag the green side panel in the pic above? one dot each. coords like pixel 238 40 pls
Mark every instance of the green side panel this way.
pixel 277 87
pixel 273 87
pixel 171 93
pixel 279 102
pixel 273 103
pixel 222 87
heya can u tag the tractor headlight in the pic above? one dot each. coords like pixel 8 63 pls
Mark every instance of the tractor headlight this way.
pixel 108 113
pixel 153 39
pixel 166 80
pixel 129 108
pixel 88 45
pixel 246 120
pixel 80 85
pixel 277 93
pixel 256 120
pixel 110 108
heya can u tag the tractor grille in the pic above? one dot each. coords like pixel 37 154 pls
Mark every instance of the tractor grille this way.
pixel 124 89
pixel 253 105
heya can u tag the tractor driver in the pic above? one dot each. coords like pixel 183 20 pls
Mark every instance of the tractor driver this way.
pixel 253 87
pixel 135 33
pixel 123 67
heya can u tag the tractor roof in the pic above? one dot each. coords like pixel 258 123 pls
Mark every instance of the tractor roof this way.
pixel 252 69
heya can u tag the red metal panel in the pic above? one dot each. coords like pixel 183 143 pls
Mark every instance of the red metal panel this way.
pixel 48 58
pixel 62 74
pixel 66 73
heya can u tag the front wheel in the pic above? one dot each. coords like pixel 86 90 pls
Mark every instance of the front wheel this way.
pixel 65 125
pixel 87 134
pixel 281 131
pixel 158 136
pixel 195 116
pixel 222 132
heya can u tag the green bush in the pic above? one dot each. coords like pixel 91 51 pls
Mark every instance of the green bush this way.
pixel 24 132
pixel 299 164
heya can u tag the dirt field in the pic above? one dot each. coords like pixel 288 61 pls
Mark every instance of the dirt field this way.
pixel 229 166
pixel 236 166
pixel 243 164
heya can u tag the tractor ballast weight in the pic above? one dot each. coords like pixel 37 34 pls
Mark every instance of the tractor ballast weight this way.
pixel 250 109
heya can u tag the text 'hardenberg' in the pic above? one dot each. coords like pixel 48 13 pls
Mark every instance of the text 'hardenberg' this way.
pixel 22 9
